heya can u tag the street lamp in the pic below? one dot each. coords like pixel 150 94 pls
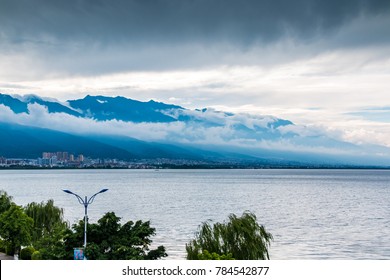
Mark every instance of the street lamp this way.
pixel 85 202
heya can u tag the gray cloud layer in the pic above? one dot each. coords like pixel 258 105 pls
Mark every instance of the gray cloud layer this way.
pixel 93 37
pixel 305 53
pixel 177 20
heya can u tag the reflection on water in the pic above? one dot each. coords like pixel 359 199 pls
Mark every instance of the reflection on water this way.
pixel 312 214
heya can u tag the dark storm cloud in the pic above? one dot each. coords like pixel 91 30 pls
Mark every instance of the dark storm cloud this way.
pixel 77 37
pixel 239 22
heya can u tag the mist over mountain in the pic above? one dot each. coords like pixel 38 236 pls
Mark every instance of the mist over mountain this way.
pixel 30 142
pixel 118 127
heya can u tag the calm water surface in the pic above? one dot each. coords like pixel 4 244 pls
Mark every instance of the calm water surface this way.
pixel 312 214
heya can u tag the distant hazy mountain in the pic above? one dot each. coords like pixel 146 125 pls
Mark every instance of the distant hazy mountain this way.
pixel 102 108
pixel 30 142
pixel 19 141
pixel 19 104
pixel 118 127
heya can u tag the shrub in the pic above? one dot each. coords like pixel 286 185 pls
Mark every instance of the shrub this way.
pixel 36 256
pixel 26 253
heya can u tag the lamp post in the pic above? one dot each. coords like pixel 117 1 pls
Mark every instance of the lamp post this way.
pixel 85 202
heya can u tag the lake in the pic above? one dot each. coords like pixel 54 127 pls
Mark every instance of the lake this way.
pixel 312 214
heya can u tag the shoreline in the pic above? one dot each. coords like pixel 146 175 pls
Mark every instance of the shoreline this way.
pixel 205 167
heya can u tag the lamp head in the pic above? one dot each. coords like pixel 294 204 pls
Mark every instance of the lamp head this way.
pixel 103 190
pixel 67 191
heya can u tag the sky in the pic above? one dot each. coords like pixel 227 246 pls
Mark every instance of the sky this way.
pixel 324 64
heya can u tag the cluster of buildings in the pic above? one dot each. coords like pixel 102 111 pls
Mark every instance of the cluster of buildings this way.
pixel 48 159
pixel 69 160
pixel 59 159
pixel 12 162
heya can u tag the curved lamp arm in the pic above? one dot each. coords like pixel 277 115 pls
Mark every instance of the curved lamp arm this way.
pixel 81 201
pixel 91 199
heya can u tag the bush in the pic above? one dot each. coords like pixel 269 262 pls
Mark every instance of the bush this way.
pixel 36 256
pixel 26 253
pixel 241 238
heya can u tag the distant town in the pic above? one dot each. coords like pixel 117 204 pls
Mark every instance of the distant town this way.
pixel 69 160
pixel 66 160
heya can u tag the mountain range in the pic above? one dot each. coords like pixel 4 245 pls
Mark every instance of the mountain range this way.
pixel 123 128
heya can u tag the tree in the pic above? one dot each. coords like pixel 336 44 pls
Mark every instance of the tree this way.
pixel 109 240
pixel 47 219
pixel 15 228
pixel 52 246
pixel 5 201
pixel 49 228
pixel 241 238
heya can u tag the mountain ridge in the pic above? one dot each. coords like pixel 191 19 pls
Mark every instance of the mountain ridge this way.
pixel 157 130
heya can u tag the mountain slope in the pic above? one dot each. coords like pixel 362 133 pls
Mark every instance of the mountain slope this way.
pixel 19 141
pixel 147 150
pixel 30 142
pixel 17 106
pixel 104 108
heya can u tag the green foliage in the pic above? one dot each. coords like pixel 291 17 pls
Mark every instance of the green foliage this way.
pixel 26 253
pixel 47 218
pixel 205 255
pixel 49 228
pixel 5 201
pixel 156 253
pixel 36 256
pixel 241 238
pixel 109 240
pixel 15 228
pixel 3 246
pixel 52 247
